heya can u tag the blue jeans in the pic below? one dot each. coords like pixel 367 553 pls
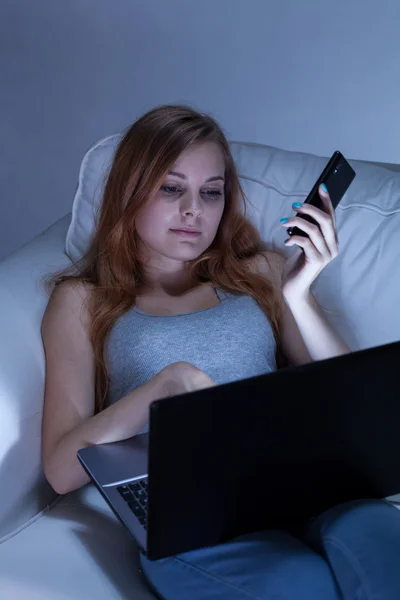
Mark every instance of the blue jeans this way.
pixel 350 552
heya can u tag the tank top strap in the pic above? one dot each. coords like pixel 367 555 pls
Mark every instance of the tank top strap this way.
pixel 222 294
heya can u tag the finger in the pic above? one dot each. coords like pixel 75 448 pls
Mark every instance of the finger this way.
pixel 313 231
pixel 325 222
pixel 305 243
pixel 315 211
pixel 326 199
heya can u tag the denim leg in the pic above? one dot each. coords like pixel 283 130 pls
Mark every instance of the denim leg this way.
pixel 269 565
pixel 361 542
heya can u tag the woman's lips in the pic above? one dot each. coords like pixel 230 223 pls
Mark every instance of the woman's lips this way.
pixel 189 234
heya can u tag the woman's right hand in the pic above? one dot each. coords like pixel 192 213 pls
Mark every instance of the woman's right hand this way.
pixel 183 377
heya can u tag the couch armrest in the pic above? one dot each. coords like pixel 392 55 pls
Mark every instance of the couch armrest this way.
pixel 23 299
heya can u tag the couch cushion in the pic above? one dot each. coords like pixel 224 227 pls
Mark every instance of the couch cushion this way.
pixel 359 290
pixel 74 551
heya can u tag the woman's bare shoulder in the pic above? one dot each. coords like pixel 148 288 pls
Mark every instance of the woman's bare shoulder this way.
pixel 69 298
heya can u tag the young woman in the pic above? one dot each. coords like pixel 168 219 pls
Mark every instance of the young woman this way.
pixel 176 293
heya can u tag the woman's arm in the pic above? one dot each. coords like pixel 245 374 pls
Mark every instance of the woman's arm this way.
pixel 319 337
pixel 69 422
pixel 314 252
pixel 305 333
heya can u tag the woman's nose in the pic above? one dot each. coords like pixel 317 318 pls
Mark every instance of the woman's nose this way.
pixel 192 203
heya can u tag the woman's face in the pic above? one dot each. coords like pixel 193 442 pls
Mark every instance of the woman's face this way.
pixel 191 195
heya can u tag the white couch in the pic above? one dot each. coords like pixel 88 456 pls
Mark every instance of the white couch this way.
pixel 73 547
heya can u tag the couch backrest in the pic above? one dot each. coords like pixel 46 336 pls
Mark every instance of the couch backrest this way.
pixel 360 289
pixel 23 299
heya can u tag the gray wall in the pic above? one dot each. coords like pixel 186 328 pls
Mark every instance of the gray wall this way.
pixel 311 75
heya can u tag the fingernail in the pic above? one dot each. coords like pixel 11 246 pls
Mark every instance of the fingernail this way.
pixel 284 220
pixel 296 204
pixel 324 187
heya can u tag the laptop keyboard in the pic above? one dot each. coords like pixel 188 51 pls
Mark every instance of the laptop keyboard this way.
pixel 135 494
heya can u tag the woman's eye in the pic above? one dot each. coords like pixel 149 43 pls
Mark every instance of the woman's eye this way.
pixel 212 193
pixel 170 189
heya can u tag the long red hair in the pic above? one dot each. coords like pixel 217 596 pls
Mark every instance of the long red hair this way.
pixel 112 264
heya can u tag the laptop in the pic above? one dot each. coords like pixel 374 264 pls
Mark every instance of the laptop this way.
pixel 269 451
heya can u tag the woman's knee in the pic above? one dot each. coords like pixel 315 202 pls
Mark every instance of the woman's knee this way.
pixel 361 542
pixel 263 565
pixel 353 519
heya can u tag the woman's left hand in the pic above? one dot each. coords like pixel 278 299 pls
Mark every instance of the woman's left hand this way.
pixel 315 251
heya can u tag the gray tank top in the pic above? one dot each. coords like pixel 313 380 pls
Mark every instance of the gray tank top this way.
pixel 230 341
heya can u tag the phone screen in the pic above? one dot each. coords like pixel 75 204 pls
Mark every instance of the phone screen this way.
pixel 337 176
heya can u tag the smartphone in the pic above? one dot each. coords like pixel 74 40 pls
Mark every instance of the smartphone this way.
pixel 337 176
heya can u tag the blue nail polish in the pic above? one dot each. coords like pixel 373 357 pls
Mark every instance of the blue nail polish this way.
pixel 296 204
pixel 324 187
pixel 284 220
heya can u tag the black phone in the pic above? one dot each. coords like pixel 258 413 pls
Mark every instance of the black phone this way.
pixel 337 176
